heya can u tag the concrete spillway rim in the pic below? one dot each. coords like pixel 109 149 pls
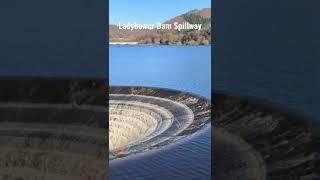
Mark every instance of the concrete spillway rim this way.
pixel 34 105
pixel 174 140
pixel 189 111
pixel 257 166
pixel 150 107
pixel 140 156
pixel 188 115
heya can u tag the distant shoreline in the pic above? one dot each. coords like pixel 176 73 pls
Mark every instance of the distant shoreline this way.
pixel 143 44
pixel 123 43
pixel 190 28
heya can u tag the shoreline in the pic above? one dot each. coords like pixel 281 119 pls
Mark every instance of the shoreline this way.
pixel 123 43
pixel 141 44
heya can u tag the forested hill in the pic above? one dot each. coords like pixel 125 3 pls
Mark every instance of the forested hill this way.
pixel 184 37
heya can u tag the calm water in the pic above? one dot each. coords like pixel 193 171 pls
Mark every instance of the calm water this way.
pixel 176 67
pixel 183 68
pixel 270 49
pixel 53 39
pixel 291 83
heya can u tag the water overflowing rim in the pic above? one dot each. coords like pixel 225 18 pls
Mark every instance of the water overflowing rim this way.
pixel 178 138
pixel 165 89
pixel 291 118
pixel 268 105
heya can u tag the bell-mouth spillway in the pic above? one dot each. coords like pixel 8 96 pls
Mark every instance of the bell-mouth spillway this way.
pixel 53 129
pixel 257 139
pixel 142 119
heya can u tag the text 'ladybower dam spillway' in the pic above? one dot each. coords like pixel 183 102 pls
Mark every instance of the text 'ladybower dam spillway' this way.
pixel 143 118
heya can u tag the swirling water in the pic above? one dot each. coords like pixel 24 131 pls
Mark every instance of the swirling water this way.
pixel 185 68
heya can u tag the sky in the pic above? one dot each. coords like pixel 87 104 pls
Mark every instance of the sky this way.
pixel 151 11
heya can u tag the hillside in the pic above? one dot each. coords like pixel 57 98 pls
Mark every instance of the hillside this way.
pixel 184 37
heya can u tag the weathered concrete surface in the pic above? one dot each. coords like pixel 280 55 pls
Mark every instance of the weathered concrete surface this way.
pixel 136 119
pixel 53 142
pixel 53 129
pixel 276 144
pixel 234 158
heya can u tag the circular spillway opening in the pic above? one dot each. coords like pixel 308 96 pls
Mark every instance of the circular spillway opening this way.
pixel 141 120
pixel 132 122
pixel 52 141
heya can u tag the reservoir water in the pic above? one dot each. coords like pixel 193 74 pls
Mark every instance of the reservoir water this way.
pixel 184 68
pixel 291 82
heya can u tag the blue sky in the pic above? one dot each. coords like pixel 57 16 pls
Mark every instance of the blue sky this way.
pixel 151 11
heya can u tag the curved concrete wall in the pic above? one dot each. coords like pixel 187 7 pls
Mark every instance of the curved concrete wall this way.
pixel 276 143
pixel 140 120
pixel 132 122
pixel 52 141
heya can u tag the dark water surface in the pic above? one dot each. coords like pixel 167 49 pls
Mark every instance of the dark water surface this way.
pixel 53 38
pixel 269 49
pixel 175 67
